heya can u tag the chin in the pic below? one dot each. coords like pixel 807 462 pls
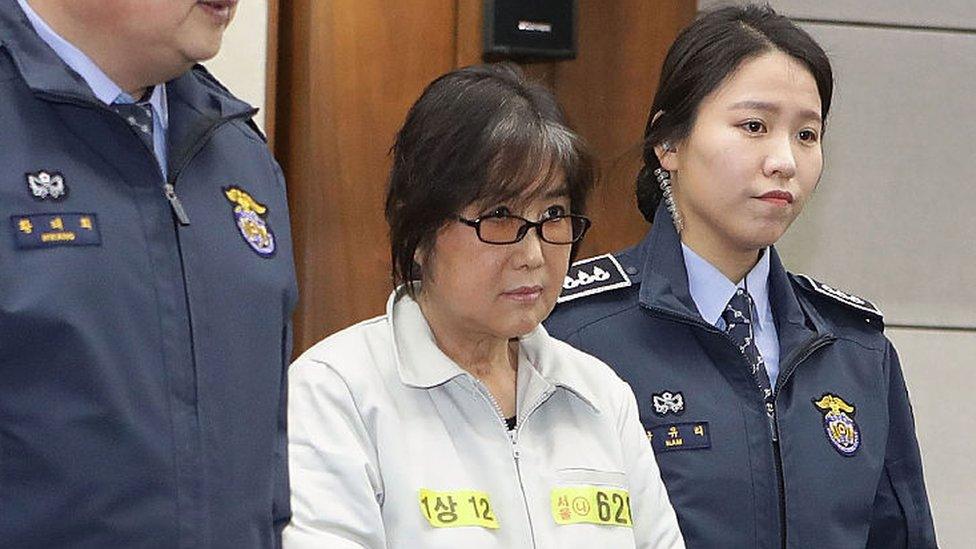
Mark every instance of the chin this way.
pixel 765 236
pixel 203 50
pixel 521 327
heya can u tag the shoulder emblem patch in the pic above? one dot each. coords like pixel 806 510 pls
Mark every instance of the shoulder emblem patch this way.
pixel 850 300
pixel 593 276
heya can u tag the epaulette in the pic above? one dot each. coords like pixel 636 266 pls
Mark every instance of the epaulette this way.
pixel 842 297
pixel 593 276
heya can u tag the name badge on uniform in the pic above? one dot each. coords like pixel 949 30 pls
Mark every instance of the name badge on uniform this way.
pixel 591 505
pixel 33 231
pixel 680 436
pixel 456 508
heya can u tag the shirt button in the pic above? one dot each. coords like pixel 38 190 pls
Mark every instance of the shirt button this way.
pixel 631 270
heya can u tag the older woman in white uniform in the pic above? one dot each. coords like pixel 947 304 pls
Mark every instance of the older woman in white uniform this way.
pixel 454 420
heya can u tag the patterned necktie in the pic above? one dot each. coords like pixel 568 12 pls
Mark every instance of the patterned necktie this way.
pixel 738 325
pixel 140 117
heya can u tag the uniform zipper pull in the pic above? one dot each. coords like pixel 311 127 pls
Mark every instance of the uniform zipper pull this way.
pixel 174 202
pixel 771 415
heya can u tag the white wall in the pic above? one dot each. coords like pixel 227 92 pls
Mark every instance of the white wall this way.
pixel 242 60
pixel 894 217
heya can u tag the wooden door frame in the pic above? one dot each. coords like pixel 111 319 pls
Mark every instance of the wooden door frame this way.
pixel 271 73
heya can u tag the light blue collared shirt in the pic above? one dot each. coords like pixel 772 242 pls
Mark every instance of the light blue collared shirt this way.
pixel 101 85
pixel 711 292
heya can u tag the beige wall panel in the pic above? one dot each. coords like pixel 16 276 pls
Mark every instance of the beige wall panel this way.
pixel 953 14
pixel 895 213
pixel 939 371
pixel 242 62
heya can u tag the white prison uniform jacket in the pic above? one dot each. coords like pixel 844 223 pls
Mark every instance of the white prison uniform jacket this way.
pixel 377 413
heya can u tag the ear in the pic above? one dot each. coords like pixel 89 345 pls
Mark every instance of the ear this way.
pixel 667 155
pixel 667 151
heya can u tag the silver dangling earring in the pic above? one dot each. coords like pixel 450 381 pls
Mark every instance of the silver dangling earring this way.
pixel 664 179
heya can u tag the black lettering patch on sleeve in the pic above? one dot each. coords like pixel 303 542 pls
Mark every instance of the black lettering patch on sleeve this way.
pixel 32 231
pixel 680 436
pixel 592 276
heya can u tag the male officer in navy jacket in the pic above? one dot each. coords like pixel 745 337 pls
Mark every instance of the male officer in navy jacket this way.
pixel 147 284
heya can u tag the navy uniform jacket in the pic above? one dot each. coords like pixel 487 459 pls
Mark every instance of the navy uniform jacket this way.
pixel 142 361
pixel 838 467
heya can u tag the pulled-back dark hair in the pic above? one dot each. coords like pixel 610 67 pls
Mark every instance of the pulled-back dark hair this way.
pixel 477 135
pixel 701 59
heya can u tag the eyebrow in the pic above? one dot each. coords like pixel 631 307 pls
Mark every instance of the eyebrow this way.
pixel 558 192
pixel 773 108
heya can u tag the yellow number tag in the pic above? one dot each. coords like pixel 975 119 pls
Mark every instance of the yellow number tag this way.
pixel 590 504
pixel 457 508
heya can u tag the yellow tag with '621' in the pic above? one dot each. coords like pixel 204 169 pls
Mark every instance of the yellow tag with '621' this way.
pixel 457 508
pixel 591 504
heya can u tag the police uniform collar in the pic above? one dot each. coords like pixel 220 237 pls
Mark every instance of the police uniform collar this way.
pixel 198 103
pixel 39 66
pixel 664 284
pixel 797 323
pixel 711 290
pixel 421 363
pixel 199 90
pixel 783 299
pixel 664 279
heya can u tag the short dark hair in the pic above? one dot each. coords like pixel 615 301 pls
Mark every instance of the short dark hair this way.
pixel 702 57
pixel 477 135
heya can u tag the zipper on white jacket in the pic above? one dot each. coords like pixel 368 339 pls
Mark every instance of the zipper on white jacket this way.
pixel 513 438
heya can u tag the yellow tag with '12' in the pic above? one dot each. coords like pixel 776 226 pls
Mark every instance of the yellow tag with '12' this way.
pixel 591 504
pixel 456 508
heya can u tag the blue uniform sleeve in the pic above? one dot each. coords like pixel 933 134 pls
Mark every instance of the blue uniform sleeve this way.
pixel 281 506
pixel 901 516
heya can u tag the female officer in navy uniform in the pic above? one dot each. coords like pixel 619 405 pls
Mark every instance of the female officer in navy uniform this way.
pixel 775 404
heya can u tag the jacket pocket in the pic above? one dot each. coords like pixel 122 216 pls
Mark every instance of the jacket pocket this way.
pixel 590 476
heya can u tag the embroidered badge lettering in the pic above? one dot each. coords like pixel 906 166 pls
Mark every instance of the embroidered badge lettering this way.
pixel 668 402
pixel 251 219
pixel 452 509
pixel 839 424
pixel 33 231
pixel 680 436
pixel 47 186
pixel 592 505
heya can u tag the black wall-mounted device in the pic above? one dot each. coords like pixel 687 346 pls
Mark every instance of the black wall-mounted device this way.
pixel 530 28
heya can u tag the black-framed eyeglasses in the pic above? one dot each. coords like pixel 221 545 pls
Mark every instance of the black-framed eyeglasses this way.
pixel 509 229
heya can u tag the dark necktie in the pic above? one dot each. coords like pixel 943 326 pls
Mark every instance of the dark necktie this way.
pixel 140 117
pixel 738 325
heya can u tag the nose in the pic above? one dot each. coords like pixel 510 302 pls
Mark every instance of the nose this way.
pixel 528 252
pixel 780 162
